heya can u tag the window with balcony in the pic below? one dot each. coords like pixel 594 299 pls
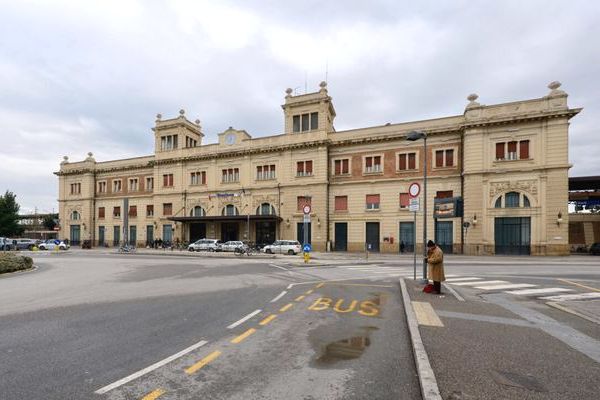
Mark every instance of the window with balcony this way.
pixel 341 203
pixel 149 184
pixel 304 168
pixel 372 201
pixel 265 172
pixel 341 167
pixel 117 212
pixel 230 175
pixel 150 210
pixel 407 161
pixel 373 164
pixel 513 150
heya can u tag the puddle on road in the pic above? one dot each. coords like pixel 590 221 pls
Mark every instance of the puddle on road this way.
pixel 346 349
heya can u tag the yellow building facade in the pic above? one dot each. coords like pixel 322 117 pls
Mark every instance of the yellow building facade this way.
pixel 506 164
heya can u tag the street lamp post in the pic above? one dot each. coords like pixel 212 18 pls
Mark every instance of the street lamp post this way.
pixel 414 136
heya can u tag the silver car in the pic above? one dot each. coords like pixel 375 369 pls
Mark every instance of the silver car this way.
pixel 291 247
pixel 52 244
pixel 205 245
pixel 231 245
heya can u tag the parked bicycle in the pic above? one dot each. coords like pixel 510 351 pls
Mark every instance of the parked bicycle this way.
pixel 127 248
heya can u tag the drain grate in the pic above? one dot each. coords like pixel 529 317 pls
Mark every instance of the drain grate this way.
pixel 528 382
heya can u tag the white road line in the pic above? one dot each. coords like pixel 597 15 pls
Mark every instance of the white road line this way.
pixel 527 292
pixel 477 283
pixel 151 368
pixel 580 296
pixel 451 276
pixel 463 279
pixel 502 286
pixel 277 266
pixel 454 292
pixel 280 295
pixel 291 285
pixel 246 318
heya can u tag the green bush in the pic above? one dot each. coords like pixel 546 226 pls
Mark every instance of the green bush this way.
pixel 11 262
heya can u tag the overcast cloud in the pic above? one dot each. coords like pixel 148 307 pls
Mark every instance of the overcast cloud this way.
pixel 79 76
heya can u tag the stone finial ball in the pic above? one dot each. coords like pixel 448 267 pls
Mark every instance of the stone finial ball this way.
pixel 65 158
pixel 197 122
pixel 181 112
pixel 289 91
pixel 158 116
pixel 472 97
pixel 323 84
pixel 90 154
pixel 554 85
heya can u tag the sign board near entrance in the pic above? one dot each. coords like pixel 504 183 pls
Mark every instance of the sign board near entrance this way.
pixel 414 205
pixel 451 207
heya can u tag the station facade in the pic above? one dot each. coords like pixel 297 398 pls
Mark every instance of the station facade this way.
pixel 507 164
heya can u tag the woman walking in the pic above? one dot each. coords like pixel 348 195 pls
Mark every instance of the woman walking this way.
pixel 435 260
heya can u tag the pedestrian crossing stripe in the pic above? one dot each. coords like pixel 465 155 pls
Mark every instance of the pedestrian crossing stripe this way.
pixel 478 283
pixel 463 279
pixel 528 292
pixel 505 286
pixel 566 297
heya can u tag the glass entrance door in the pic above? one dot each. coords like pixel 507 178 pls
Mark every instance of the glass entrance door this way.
pixel 407 237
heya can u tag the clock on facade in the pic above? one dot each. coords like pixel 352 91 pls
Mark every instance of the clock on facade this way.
pixel 230 139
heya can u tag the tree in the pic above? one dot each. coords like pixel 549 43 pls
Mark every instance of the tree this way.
pixel 9 215
pixel 49 222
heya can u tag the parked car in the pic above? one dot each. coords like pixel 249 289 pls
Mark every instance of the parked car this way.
pixel 290 247
pixel 26 244
pixel 231 245
pixel 6 244
pixel 51 244
pixel 205 245
pixel 595 249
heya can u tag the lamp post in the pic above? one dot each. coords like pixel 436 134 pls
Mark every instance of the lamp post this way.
pixel 414 136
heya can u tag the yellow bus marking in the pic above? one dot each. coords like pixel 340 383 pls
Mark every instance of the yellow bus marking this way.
pixel 267 320
pixel 211 357
pixel 155 394
pixel 299 298
pixel 309 291
pixel 286 307
pixel 243 336
pixel 320 285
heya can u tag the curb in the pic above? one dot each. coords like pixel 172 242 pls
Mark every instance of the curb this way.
pixel 20 272
pixel 427 381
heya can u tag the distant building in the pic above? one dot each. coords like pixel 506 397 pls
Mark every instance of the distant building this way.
pixel 507 163
pixel 34 226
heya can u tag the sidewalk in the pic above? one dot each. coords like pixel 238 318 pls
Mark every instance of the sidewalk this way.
pixel 496 349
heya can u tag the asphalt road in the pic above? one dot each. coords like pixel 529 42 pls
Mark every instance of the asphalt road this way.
pixel 85 321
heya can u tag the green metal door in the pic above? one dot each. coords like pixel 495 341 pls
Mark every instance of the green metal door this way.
pixel 407 237
pixel 444 236
pixel 512 235
pixel 101 236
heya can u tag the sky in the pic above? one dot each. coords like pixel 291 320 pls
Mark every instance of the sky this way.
pixel 81 76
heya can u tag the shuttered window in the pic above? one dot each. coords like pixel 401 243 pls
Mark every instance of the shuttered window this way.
pixel 404 200
pixel 402 161
pixel 303 201
pixel 167 208
pixel 439 158
pixel 449 158
pixel 341 203
pixel 500 151
pixel 168 180
pixel 150 210
pixel 524 149
pixel 101 212
pixel 133 211
pixel 372 202
pixel 116 212
pixel 412 161
pixel 443 194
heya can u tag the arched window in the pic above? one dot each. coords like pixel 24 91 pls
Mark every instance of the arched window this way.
pixel 75 215
pixel 526 202
pixel 197 212
pixel 498 203
pixel 230 210
pixel 511 200
pixel 265 209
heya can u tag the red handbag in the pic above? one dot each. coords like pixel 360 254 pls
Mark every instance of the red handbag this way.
pixel 428 288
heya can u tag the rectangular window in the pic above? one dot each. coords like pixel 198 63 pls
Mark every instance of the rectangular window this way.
pixel 198 178
pixel 412 160
pixel 439 158
pixel 117 186
pixel 314 121
pixel 500 151
pixel 404 200
pixel 296 123
pixel 168 142
pixel 101 212
pixel 230 175
pixel 117 212
pixel 372 202
pixel 341 167
pixel 373 164
pixel 189 142
pixel 265 172
pixel 168 180
pixel 133 211
pixel 304 168
pixel 443 194
pixel 341 203
pixel 444 158
pixel 524 149
pixel 167 208
pixel 512 151
pixel 450 158
pixel 75 188
pixel 305 122
pixel 101 187
pixel 133 184
pixel 303 201
pixel 150 210
pixel 149 184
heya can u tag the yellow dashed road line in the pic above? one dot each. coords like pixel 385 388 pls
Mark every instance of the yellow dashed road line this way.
pixel 267 320
pixel 155 394
pixel 243 336
pixel 309 291
pixel 320 285
pixel 300 298
pixel 286 307
pixel 211 357
pixel 579 284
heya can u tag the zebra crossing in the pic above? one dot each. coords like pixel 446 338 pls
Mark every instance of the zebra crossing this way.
pixel 383 271
pixel 523 289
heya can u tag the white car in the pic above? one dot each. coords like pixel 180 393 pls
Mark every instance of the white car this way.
pixel 52 244
pixel 231 245
pixel 205 245
pixel 291 247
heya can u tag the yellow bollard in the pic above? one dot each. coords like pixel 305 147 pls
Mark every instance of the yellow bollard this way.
pixel 306 258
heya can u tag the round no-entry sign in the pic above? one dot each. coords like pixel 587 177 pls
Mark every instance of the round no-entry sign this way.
pixel 414 189
pixel 306 209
